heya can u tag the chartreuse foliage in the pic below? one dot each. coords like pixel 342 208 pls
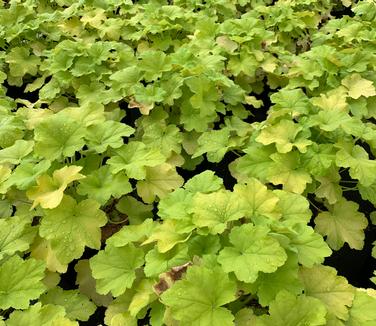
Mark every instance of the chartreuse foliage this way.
pixel 194 162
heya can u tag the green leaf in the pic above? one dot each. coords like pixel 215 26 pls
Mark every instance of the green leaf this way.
pixel 368 193
pixel 136 211
pixel 361 167
pixel 293 100
pixel 309 246
pixel 358 86
pixel 26 173
pixel 16 152
pixel 41 249
pixel 154 63
pixel 169 234
pixel 343 223
pixel 318 159
pixel 131 233
pixel 176 205
pixel 215 210
pixel 5 172
pixel 329 186
pixel 334 100
pixel 88 114
pixel 11 129
pixel 284 278
pixel 93 92
pixel 293 207
pixel 363 309
pixel 86 284
pixel 117 312
pixel 143 296
pixel 245 317
pixel 102 184
pixel 133 158
pixel 125 79
pixel 204 182
pixel 285 136
pixel 38 315
pixel 287 171
pixel 322 282
pixel 147 96
pixel 199 297
pixel 114 268
pixel 257 201
pixel 159 181
pixel 72 226
pixel 205 94
pixel 215 143
pixel 16 235
pixel 331 120
pixel 49 191
pixel 76 305
pixel 21 62
pixel 201 245
pixel 57 136
pixel 256 163
pixel 157 263
pixel 290 310
pixel 25 283
pixel 107 134
pixel 165 138
pixel 253 251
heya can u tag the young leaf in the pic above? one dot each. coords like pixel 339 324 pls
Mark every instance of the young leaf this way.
pixel 358 86
pixel 50 191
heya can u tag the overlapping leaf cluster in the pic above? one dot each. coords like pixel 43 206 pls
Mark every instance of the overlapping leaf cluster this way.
pixel 108 110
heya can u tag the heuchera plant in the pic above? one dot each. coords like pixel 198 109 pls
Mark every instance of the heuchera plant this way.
pixel 189 162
